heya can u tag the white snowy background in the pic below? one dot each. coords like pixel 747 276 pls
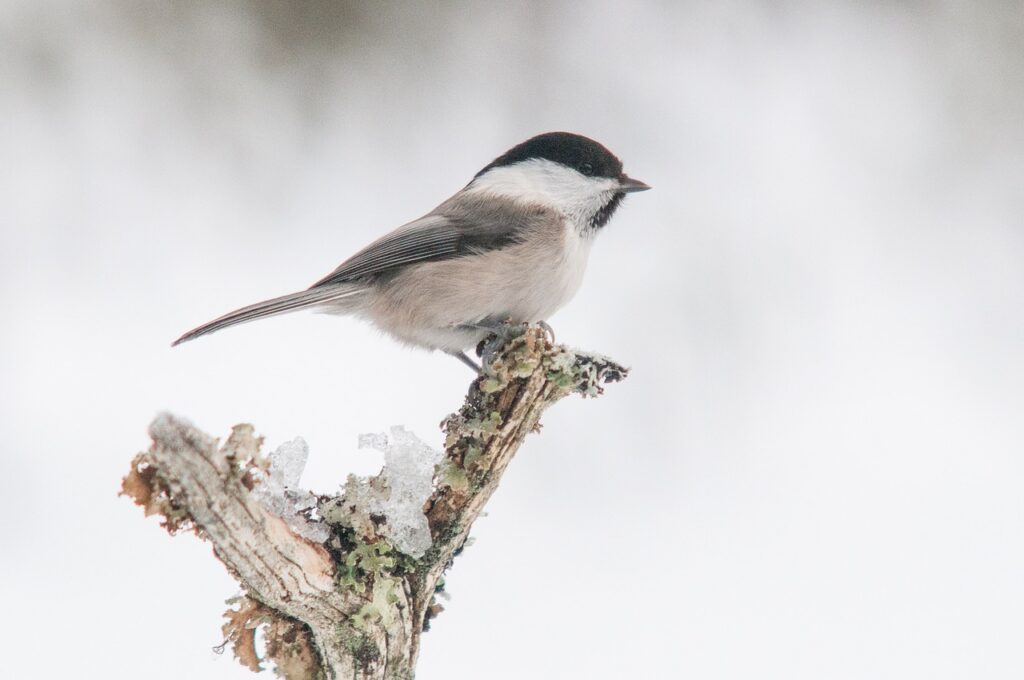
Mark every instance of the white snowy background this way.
pixel 815 469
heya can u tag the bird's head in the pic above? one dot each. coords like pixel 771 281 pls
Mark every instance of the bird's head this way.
pixel 568 172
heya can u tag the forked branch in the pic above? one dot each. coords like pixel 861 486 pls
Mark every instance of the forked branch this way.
pixel 337 582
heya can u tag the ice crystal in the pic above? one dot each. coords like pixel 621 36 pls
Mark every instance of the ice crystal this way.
pixel 280 493
pixel 400 490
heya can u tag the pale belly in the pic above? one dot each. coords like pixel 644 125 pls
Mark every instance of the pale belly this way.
pixel 436 304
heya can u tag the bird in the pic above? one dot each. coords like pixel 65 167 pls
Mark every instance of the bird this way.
pixel 510 247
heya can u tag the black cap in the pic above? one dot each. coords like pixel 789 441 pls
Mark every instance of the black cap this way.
pixel 571 150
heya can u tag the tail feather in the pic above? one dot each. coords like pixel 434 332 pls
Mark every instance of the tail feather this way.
pixel 272 307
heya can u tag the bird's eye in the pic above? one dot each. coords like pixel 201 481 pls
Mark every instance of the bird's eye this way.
pixel 586 169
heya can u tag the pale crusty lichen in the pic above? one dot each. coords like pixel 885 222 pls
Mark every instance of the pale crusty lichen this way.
pixel 355 604
pixel 523 373
pixel 509 360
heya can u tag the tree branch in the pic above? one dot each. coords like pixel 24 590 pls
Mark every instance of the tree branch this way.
pixel 338 583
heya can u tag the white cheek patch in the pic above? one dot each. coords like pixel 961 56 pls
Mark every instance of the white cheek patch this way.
pixel 542 181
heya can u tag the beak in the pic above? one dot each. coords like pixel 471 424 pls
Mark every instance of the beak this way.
pixel 628 185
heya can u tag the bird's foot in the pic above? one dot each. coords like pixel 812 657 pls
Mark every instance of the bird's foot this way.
pixel 499 334
pixel 548 329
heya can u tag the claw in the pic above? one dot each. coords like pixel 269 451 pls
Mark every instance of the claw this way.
pixel 502 331
pixel 548 329
pixel 501 335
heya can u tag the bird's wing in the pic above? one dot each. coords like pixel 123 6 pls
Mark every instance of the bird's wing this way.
pixel 460 226
pixel 456 228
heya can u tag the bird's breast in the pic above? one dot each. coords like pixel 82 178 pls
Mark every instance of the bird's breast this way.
pixel 565 275
pixel 524 281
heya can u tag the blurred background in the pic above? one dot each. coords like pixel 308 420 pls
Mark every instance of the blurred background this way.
pixel 815 469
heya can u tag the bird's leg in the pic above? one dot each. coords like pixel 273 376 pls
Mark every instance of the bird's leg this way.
pixel 502 328
pixel 500 333
pixel 461 356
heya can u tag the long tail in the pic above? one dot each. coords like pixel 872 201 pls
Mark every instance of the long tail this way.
pixel 278 305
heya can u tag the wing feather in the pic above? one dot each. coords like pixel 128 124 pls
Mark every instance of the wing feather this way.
pixel 428 238
pixel 460 226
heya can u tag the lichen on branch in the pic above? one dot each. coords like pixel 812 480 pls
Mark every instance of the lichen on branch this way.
pixel 345 584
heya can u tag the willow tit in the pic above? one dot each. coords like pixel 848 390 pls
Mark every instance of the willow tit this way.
pixel 509 247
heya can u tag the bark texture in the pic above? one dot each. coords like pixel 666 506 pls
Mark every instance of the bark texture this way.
pixel 353 605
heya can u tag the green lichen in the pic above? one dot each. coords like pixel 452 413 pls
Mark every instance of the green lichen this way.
pixel 561 371
pixel 365 562
pixel 524 368
pixel 482 425
pixel 453 476
pixel 360 646
pixel 372 558
pixel 491 385
pixel 472 454
pixel 375 569
pixel 380 608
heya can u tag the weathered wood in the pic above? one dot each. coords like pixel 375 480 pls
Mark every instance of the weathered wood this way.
pixel 353 606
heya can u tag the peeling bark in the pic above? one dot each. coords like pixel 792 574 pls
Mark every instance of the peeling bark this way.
pixel 354 606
